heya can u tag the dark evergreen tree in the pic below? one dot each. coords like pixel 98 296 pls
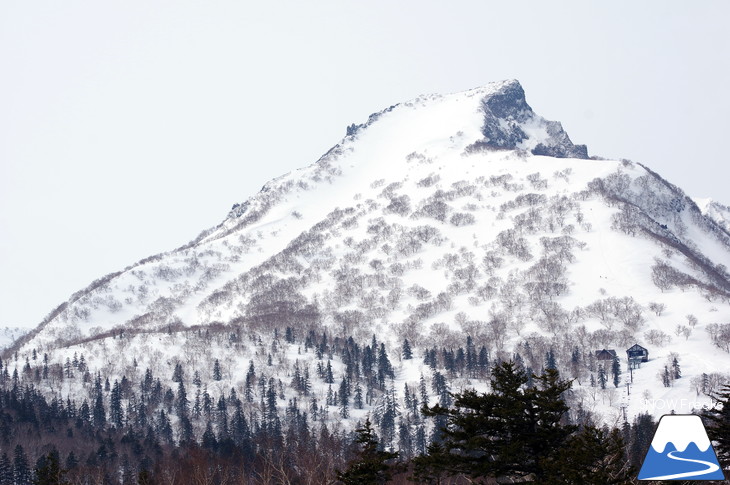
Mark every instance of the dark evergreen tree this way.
pixel 329 378
pixel 718 423
pixel 116 415
pixel 240 431
pixel 407 352
pixel 250 380
pixel 616 372
pixel 207 403
pixel 99 413
pixel 164 428
pixel 602 377
pixel 371 464
pixel 296 379
pixel 83 417
pixel 357 398
pixel 510 432
pixel 423 391
pixel 676 371
pixel 472 359
pixel 483 361
pixel 385 368
pixel 68 369
pixel 6 470
pixel 217 375
pixel 441 388
pixel 666 377
pixel 460 360
pixel 222 418
pixel 186 433
pixel 144 477
pixel 181 400
pixel 592 456
pixel 209 440
pixel 22 474
pixel 389 413
pixel 550 360
pixel 306 384
pixel 430 358
pixel 421 443
pixel 344 398
pixel 405 439
pixel 177 374
pixel 408 398
pixel 48 470
pixel 642 432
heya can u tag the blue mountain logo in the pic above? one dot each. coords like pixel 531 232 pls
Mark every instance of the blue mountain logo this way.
pixel 681 450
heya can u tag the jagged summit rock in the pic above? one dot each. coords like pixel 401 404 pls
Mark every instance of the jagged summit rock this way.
pixel 510 123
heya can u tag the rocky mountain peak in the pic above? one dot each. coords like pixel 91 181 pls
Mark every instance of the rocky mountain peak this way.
pixel 510 123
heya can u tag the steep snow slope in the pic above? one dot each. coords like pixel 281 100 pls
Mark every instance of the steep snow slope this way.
pixel 8 336
pixel 442 217
pixel 719 213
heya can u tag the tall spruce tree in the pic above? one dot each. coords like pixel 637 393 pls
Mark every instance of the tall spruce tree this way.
pixel 48 470
pixel 6 469
pixel 718 420
pixel 371 464
pixel 512 432
pixel 22 474
pixel 407 352
pixel 616 372
pixel 592 456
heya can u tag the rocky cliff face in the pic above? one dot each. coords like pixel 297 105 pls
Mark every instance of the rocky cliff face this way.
pixel 510 123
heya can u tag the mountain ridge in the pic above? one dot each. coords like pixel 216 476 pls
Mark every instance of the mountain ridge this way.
pixel 427 223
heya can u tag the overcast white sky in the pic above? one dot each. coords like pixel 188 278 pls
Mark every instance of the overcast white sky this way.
pixel 126 128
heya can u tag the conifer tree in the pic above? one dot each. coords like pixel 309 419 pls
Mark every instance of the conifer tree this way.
pixel 370 466
pixel 344 398
pixel 357 399
pixel 181 401
pixel 6 469
pixel 616 372
pixel 177 374
pixel 116 416
pixel 666 377
pixel 407 352
pixel 602 377
pixel 329 377
pixel 642 432
pixel 676 371
pixel 550 360
pixel 48 471
pixel 718 418
pixel 509 432
pixel 22 473
pixel 99 413
pixel 592 456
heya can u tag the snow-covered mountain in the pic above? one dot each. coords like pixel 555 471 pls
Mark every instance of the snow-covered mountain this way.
pixel 8 335
pixel 438 219
pixel 715 211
